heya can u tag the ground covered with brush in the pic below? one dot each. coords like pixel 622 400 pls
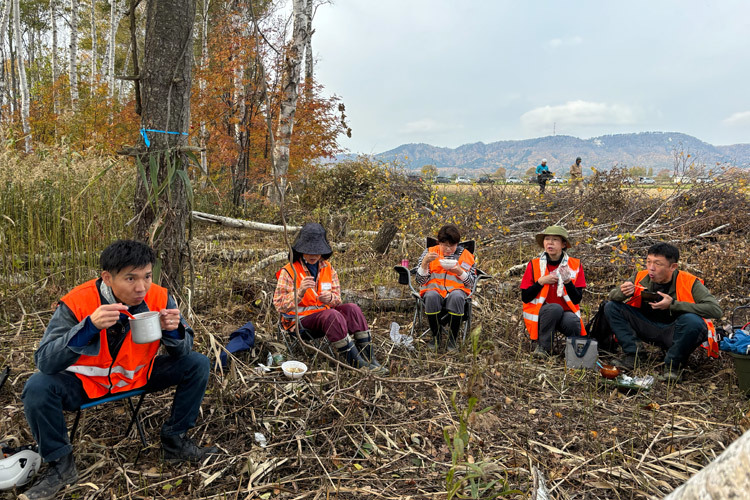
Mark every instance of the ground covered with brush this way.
pixel 487 421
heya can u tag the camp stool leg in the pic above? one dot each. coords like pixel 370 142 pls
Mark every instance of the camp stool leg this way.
pixel 117 397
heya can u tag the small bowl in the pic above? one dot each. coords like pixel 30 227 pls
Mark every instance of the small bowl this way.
pixel 294 369
pixel 448 263
pixel 609 371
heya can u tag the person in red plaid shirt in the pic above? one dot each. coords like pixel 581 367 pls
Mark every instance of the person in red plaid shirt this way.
pixel 318 295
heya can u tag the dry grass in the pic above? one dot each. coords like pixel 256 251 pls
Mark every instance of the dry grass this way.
pixel 342 434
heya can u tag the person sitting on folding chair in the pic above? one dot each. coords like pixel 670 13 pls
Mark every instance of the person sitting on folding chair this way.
pixel 547 306
pixel 87 352
pixel 446 274
pixel 319 307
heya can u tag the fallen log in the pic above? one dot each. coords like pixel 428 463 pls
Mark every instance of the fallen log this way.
pixel 259 226
pixel 727 476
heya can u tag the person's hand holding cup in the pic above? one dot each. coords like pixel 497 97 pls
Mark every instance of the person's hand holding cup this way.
pixel 169 319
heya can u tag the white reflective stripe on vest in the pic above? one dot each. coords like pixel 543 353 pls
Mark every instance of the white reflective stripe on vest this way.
pixel 531 317
pixel 89 371
pixel 95 371
pixel 538 300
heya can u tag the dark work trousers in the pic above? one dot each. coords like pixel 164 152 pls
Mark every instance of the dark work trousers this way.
pixel 335 323
pixel 45 397
pixel 679 338
pixel 454 302
pixel 552 317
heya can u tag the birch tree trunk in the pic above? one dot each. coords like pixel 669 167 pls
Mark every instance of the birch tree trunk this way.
pixel 73 55
pixel 4 20
pixel 22 77
pixel 289 87
pixel 308 50
pixel 55 68
pixel 728 476
pixel 92 78
pixel 166 77
pixel 202 83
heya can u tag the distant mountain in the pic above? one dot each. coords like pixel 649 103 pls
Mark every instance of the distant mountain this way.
pixel 654 150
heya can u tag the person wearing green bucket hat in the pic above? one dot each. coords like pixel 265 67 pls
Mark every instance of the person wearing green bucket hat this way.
pixel 551 290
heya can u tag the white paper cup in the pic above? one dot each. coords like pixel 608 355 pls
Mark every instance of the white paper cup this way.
pixel 294 369
pixel 146 327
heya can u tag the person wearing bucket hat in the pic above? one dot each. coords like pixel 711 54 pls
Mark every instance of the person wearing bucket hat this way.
pixel 543 175
pixel 87 352
pixel 551 291
pixel 315 283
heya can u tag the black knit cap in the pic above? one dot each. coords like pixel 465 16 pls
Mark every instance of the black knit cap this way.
pixel 311 240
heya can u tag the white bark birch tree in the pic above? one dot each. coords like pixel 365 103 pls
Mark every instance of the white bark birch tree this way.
pixel 202 82
pixel 55 68
pixel 92 77
pixel 4 20
pixel 73 55
pixel 289 94
pixel 24 87
pixel 308 48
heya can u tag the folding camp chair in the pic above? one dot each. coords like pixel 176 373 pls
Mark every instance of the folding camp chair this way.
pixel 418 322
pixel 134 417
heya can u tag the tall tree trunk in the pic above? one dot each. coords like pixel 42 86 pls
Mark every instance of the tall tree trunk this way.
pixel 116 13
pixel 55 68
pixel 165 81
pixel 289 84
pixel 4 20
pixel 22 77
pixel 73 55
pixel 308 51
pixel 202 84
pixel 92 78
pixel 134 46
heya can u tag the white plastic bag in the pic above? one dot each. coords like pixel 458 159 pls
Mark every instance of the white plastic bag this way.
pixel 399 339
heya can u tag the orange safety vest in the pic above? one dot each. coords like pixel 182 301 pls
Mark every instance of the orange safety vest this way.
pixel 444 282
pixel 100 374
pixel 531 309
pixel 684 292
pixel 309 302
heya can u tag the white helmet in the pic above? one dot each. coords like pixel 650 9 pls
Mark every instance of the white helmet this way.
pixel 19 468
pixel 544 160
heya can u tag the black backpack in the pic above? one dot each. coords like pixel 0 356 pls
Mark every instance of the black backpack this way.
pixel 598 329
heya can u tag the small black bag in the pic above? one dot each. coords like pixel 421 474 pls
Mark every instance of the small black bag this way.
pixel 598 329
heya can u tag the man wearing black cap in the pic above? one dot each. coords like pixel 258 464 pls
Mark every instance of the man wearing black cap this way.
pixel 318 300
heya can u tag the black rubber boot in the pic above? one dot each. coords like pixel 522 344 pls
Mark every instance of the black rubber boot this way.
pixel 363 342
pixel 349 352
pixel 57 476
pixel 455 327
pixel 180 448
pixel 434 322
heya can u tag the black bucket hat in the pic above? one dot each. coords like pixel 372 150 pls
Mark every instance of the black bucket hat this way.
pixel 311 240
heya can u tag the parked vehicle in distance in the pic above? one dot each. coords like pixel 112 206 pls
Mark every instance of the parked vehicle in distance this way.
pixel 513 180
pixel 486 179
pixel 463 180
pixel 704 180
pixel 557 180
pixel 628 180
pixel 414 177
pixel 646 180
pixel 442 180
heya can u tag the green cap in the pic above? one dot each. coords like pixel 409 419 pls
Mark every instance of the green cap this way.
pixel 553 231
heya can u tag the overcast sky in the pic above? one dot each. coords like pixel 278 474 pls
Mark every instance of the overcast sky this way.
pixel 451 72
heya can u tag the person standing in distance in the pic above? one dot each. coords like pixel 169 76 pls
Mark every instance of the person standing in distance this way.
pixel 576 176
